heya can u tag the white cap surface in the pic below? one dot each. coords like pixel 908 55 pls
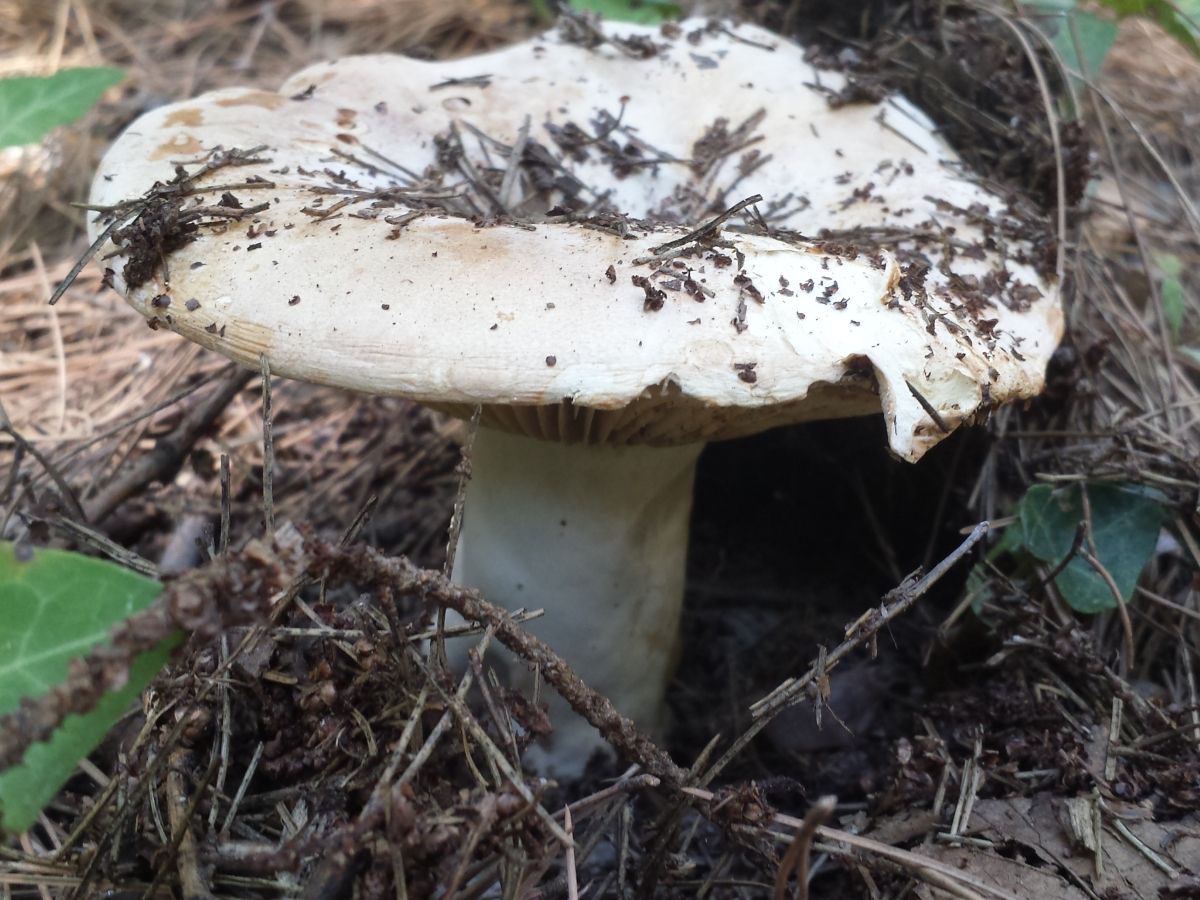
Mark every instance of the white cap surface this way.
pixel 491 301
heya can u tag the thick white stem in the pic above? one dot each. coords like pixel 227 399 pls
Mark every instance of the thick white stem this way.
pixel 597 537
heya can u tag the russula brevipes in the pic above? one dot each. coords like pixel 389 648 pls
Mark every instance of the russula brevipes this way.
pixel 538 232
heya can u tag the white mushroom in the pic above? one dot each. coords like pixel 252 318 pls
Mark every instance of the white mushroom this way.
pixel 522 231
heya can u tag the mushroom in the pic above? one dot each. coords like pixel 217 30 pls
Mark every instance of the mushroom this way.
pixel 568 235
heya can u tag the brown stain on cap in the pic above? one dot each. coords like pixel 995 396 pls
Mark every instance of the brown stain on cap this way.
pixel 182 144
pixel 190 118
pixel 262 99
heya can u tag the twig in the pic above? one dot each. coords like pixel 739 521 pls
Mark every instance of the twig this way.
pixel 509 183
pixel 1091 557
pixel 499 719
pixel 251 767
pixel 487 811
pixel 183 839
pixel 50 469
pixel 968 790
pixel 110 548
pixel 921 866
pixel 457 704
pixel 569 856
pixel 1114 735
pixel 147 413
pixel 268 476
pixel 223 539
pixel 169 452
pixel 897 601
pixel 797 856
pixel 929 408
pixel 86 258
pixel 456 521
pixel 1122 612
pixel 708 229
pixel 60 356
pixel 366 563
pixel 221 748
pixel 623 787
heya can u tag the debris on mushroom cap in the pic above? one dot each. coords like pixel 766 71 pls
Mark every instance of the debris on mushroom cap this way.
pixel 558 204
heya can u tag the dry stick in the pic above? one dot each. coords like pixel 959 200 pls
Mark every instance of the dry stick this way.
pixel 244 786
pixel 221 747
pixel 14 471
pixel 87 256
pixel 501 722
pixel 709 229
pixel 1092 557
pixel 1190 677
pixel 569 860
pixel 1190 209
pixel 456 521
pixel 798 852
pixel 378 804
pixel 50 469
pixel 184 839
pixel 169 451
pixel 1076 545
pixel 268 476
pixel 509 183
pixel 592 705
pixel 487 811
pixel 627 785
pixel 147 413
pixel 456 703
pixel 897 601
pixel 226 506
pixel 110 548
pixel 1126 623
pixel 60 356
pixel 922 866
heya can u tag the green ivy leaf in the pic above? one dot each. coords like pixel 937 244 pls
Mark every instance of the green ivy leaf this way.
pixel 27 787
pixel 1096 38
pixel 1080 38
pixel 31 106
pixel 57 606
pixel 642 12
pixel 1174 299
pixel 1125 526
pixel 1178 20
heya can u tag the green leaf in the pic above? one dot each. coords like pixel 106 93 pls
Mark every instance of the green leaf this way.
pixel 1081 39
pixel 1174 300
pixel 1125 526
pixel 56 606
pixel 1096 38
pixel 1178 20
pixel 1174 304
pixel 27 787
pixel 31 106
pixel 644 12
pixel 979 588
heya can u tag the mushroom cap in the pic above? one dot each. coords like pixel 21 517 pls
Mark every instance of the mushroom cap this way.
pixel 518 231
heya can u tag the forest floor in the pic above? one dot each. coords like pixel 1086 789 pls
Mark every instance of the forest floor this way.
pixel 980 738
